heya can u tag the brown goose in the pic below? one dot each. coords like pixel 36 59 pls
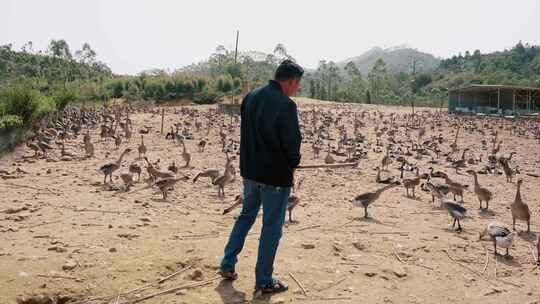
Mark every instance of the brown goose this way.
pixel 109 168
pixel 387 180
pixel 519 209
pixel 366 199
pixel 482 193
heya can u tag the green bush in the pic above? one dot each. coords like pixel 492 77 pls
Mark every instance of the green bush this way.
pixel 205 97
pixel 28 104
pixel 62 97
pixel 10 121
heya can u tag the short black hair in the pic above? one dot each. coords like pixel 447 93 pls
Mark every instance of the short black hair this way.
pixel 288 69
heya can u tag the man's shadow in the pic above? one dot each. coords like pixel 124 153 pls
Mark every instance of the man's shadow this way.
pixel 229 295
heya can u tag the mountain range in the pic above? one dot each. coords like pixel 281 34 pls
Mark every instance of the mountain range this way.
pixel 397 59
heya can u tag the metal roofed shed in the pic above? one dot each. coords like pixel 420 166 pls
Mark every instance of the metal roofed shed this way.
pixel 495 99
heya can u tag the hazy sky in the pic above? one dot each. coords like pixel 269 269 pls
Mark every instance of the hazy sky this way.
pixel 133 35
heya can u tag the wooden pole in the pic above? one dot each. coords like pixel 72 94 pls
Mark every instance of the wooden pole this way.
pixel 162 119
pixel 235 59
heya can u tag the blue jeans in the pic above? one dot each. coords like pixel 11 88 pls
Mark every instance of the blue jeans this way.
pixel 274 202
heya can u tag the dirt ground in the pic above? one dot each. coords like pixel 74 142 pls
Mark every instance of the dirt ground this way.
pixel 62 232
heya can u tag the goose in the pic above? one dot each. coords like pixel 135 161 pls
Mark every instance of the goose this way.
pixel 456 211
pixel 173 168
pixel 202 144
pixel 316 149
pixel 155 173
pixel 238 200
pixel 460 163
pixel 44 147
pixel 436 190
pixel 134 168
pixel 63 151
pixel 483 194
pixel 386 161
pixel 455 187
pixel 223 180
pixel 538 251
pixel 379 180
pixel 329 159
pixel 185 155
pixel 436 174
pixel 411 183
pixel 366 199
pixel 127 179
pixel 519 209
pixel 499 234
pixel 211 173
pixel 109 168
pixel 294 199
pixel 142 148
pixel 166 183
pixel 89 148
pixel 34 147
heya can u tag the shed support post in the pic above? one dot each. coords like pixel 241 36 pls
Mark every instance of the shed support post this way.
pixel 499 101
pixel 529 101
pixel 514 101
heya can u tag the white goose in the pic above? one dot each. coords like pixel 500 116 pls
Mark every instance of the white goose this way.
pixel 500 235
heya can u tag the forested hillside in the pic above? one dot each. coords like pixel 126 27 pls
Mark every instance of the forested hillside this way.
pixel 519 65
pixel 34 83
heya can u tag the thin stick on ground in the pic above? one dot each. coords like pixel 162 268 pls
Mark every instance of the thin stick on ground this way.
pixel 307 228
pixel 57 277
pixel 469 269
pixel 398 257
pixel 30 187
pixel 332 285
pixel 157 282
pixel 325 299
pixel 496 266
pixel 38 225
pixel 299 284
pixel 534 259
pixel 175 289
pixel 486 263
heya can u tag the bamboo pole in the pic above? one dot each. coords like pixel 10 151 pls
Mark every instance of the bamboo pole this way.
pixel 162 119
pixel 316 166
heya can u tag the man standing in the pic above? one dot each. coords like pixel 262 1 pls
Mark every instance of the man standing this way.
pixel 269 153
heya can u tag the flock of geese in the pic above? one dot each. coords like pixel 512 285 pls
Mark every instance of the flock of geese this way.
pixel 403 139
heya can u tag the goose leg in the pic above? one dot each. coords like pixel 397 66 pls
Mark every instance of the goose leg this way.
pixel 105 180
pixel 513 223
pixel 458 226
pixel 487 205
pixel 454 223
pixel 507 253
pixel 528 226
pixel 365 212
pixel 413 194
pixel 495 247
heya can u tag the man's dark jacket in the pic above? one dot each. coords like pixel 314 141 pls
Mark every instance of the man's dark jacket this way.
pixel 270 136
